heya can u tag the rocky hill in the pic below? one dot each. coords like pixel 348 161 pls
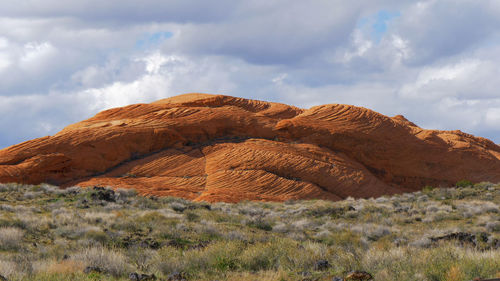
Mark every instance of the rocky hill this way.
pixel 221 148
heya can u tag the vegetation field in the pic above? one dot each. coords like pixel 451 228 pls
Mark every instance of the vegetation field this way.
pixel 438 234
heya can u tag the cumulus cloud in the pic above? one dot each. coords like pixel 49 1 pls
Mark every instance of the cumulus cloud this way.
pixel 436 62
pixel 439 29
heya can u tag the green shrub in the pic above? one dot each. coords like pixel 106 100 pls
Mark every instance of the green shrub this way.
pixel 192 216
pixel 260 224
pixel 260 256
pixel 427 189
pixel 463 183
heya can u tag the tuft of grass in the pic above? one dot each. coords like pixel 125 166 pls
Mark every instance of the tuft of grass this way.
pixel 10 238
pixel 110 261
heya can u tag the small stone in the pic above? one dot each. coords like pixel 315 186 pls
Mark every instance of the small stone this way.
pixel 321 265
pixel 134 276
pixel 91 269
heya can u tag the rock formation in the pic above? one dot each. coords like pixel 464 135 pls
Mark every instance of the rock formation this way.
pixel 221 148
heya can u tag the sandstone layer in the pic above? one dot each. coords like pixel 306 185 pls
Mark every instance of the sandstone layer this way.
pixel 221 148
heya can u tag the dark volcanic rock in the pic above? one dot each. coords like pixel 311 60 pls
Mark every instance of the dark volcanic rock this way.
pixel 321 265
pixel 134 276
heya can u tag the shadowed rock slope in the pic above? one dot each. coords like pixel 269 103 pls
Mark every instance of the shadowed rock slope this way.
pixel 221 148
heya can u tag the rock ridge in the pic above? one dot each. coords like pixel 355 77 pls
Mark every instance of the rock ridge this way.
pixel 221 148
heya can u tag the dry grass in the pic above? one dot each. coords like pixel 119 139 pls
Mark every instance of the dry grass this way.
pixel 62 267
pixel 110 261
pixel 10 238
pixel 52 234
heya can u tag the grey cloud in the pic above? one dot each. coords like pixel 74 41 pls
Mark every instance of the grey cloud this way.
pixel 27 117
pixel 279 34
pixel 437 29
pixel 113 70
pixel 437 66
pixel 51 54
pixel 120 11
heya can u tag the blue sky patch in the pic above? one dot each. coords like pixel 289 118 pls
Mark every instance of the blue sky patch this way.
pixel 153 39
pixel 380 25
pixel 376 25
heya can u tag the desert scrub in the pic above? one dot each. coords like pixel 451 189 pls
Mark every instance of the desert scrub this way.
pixel 109 261
pixel 438 234
pixel 10 238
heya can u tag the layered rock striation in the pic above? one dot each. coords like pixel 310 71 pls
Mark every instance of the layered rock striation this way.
pixel 221 148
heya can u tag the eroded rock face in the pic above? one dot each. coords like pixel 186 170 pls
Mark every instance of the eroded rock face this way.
pixel 220 148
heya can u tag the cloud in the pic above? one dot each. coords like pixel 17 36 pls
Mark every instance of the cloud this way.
pixel 436 62
pixel 439 29
pixel 120 11
pixel 277 32
pixel 36 55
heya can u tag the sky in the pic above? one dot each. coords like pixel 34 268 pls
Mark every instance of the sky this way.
pixel 435 62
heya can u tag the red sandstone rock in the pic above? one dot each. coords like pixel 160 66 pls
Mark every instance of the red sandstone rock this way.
pixel 221 148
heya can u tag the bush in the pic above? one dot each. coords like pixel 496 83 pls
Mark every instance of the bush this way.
pixel 463 183
pixel 259 257
pixel 10 238
pixel 7 268
pixel 260 224
pixel 112 262
pixel 192 216
pixel 427 189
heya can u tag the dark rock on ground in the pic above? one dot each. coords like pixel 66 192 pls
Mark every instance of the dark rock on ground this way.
pixel 101 193
pixel 482 237
pixel 90 269
pixel 149 243
pixel 321 265
pixel 83 204
pixel 462 237
pixel 358 275
pixel 134 276
pixel 482 240
pixel 137 239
